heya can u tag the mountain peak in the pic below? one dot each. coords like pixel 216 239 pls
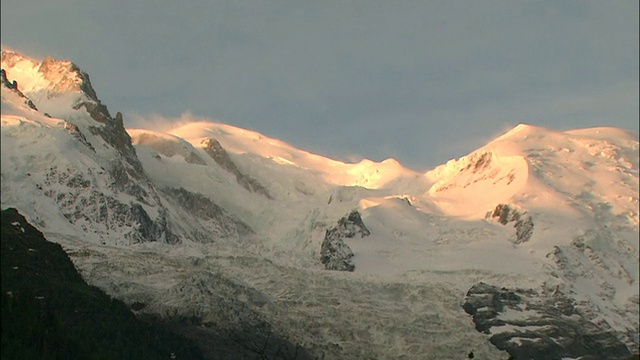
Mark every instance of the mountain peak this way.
pixel 524 131
pixel 47 79
pixel 65 75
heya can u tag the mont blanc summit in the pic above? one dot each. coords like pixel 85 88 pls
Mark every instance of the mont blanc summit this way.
pixel 526 247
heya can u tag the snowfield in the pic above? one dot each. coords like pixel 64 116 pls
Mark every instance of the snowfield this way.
pixel 225 224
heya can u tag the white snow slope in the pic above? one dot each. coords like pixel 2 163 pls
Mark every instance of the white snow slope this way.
pixel 432 236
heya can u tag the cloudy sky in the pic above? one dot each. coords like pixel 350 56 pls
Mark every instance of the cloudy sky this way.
pixel 420 81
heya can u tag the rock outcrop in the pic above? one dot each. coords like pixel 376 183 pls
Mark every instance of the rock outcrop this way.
pixel 335 253
pixel 64 76
pixel 74 130
pixel 85 204
pixel 13 86
pixel 213 222
pixel 213 148
pixel 523 223
pixel 530 325
pixel 166 147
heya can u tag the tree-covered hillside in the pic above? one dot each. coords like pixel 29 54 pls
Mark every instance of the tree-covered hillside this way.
pixel 49 312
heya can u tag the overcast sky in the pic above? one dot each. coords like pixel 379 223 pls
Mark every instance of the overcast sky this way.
pixel 420 81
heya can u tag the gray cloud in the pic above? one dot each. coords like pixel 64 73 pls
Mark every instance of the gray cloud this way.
pixel 419 81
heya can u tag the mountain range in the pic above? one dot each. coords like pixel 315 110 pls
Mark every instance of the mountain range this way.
pixel 525 248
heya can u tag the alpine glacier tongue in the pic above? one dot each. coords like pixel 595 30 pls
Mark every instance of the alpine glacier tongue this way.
pixel 536 233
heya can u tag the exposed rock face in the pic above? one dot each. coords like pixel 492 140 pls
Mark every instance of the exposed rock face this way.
pixel 97 209
pixel 114 134
pixel 58 77
pixel 10 85
pixel 65 75
pixel 83 204
pixel 213 221
pixel 96 110
pixel 193 158
pixel 149 229
pixel 61 77
pixel 479 162
pixel 213 148
pixel 197 204
pixel 352 224
pixel 126 170
pixel 13 86
pixel 74 130
pixel 124 180
pixel 529 325
pixel 523 223
pixel 335 253
pixel 585 261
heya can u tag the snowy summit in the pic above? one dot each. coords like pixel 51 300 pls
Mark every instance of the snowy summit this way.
pixel 526 247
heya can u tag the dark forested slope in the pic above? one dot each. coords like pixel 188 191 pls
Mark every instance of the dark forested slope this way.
pixel 48 311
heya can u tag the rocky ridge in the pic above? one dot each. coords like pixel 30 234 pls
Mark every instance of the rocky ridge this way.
pixel 13 86
pixel 213 148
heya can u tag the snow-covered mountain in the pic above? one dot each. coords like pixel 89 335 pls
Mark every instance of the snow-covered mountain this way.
pixel 527 245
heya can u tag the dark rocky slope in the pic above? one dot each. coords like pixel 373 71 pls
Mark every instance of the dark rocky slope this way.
pixel 530 325
pixel 48 311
